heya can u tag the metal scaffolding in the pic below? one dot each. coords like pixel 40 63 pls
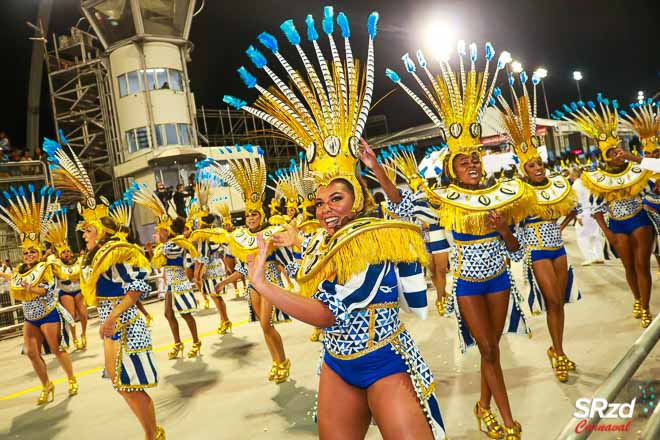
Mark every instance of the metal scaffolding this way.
pixel 220 127
pixel 81 103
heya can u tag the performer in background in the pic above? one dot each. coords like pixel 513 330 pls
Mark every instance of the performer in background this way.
pixel 113 279
pixel 357 271
pixel 551 279
pixel 66 268
pixel 29 213
pixel 589 237
pixel 480 215
pixel 617 189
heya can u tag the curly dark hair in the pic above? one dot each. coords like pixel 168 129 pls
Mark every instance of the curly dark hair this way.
pixel 178 225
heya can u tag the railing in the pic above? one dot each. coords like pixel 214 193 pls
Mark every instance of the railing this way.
pixel 616 380
pixel 16 328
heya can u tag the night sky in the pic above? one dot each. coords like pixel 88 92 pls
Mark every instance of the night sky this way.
pixel 614 43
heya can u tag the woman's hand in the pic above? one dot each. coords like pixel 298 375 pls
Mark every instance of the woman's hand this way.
pixel 288 238
pixel 257 263
pixel 367 155
pixel 497 221
pixel 108 327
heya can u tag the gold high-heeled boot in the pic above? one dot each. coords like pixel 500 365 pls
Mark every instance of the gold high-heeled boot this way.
pixel 637 309
pixel 73 387
pixel 83 342
pixel 194 351
pixel 225 327
pixel 441 305
pixel 283 371
pixel 175 351
pixel 646 318
pixel 558 364
pixel 77 344
pixel 160 433
pixel 273 372
pixel 47 394
pixel 485 416
pixel 513 433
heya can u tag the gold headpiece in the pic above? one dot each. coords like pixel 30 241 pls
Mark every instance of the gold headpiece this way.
pixel 284 187
pixel 458 101
pixel 58 231
pixel 29 213
pixel 330 126
pixel 222 209
pixel 644 121
pixel 145 196
pixel 406 165
pixel 597 121
pixel 519 122
pixel 121 212
pixel 70 177
pixel 245 175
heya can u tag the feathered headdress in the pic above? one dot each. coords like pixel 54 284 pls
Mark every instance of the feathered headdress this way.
pixel 71 178
pixel 331 123
pixel 284 187
pixel 57 231
pixel 145 196
pixel 200 206
pixel 643 119
pixel 29 213
pixel 222 209
pixel 458 99
pixel 121 212
pixel 386 162
pixel 404 159
pixel 245 175
pixel 597 121
pixel 518 122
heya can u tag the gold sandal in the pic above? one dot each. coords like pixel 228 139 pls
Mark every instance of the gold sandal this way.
pixel 47 394
pixel 485 416
pixel 160 433
pixel 646 318
pixel 73 387
pixel 559 364
pixel 316 335
pixel 174 352
pixel 637 309
pixel 283 371
pixel 194 351
pixel 225 327
pixel 513 433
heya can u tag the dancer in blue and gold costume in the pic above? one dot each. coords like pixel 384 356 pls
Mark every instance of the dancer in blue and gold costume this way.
pixel 357 271
pixel 549 275
pixel 113 278
pixel 617 189
pixel 248 177
pixel 67 273
pixel 170 254
pixel 29 213
pixel 480 218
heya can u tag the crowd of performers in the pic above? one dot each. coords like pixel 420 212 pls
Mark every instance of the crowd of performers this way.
pixel 336 259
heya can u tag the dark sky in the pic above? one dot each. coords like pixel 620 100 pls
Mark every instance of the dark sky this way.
pixel 615 43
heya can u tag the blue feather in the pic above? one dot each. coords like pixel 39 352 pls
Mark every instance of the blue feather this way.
pixel 256 57
pixel 7 195
pixel 490 51
pixel 535 79
pixel 523 77
pixel 391 74
pixel 234 102
pixel 615 104
pixel 649 101
pixel 511 79
pixel 591 105
pixel 372 23
pixel 623 113
pixel 567 108
pixel 312 35
pixel 473 52
pixel 580 103
pixel 248 79
pixel 410 66
pixel 21 191
pixel 260 151
pixel 342 21
pixel 437 170
pixel 328 22
pixel 290 31
pixel 421 59
pixel 491 102
pixel 43 190
pixel 269 41
pixel 31 187
pixel 574 106
pixel 460 47
pixel 62 137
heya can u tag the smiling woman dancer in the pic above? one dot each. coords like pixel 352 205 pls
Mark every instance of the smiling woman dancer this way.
pixel 358 270
pixel 29 213
pixel 481 220
pixel 617 189
pixel 113 279
pixel 550 278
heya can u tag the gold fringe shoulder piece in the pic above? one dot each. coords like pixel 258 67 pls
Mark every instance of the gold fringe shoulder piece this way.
pixel 354 247
pixel 215 235
pixel 186 245
pixel 555 199
pixel 110 254
pixel 466 211
pixel 41 272
pixel 159 259
pixel 629 183
pixel 243 242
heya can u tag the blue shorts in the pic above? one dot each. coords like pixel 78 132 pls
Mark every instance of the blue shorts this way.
pixel 474 288
pixel 628 225
pixel 436 242
pixel 547 254
pixel 71 294
pixel 368 369
pixel 53 316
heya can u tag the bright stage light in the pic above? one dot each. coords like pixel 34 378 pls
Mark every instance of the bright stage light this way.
pixel 516 67
pixel 541 72
pixel 577 75
pixel 441 39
